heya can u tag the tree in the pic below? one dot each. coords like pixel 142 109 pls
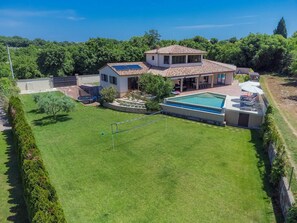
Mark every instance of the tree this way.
pixel 156 85
pixel 38 42
pixel 4 65
pixel 55 60
pixel 52 104
pixel 214 40
pixel 24 62
pixel 232 39
pixel 293 64
pixel 103 51
pixel 281 28
pixel 292 215
pixel 8 88
pixel 153 38
pixel 15 41
pixel 264 52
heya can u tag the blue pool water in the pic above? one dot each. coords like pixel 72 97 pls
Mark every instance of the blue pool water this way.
pixel 202 99
pixel 195 107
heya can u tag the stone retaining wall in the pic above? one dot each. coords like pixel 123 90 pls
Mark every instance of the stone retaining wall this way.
pixel 125 109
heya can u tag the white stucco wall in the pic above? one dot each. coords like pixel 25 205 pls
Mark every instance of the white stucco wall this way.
pixel 150 61
pixel 38 84
pixel 159 60
pixel 229 78
pixel 122 82
pixel 88 79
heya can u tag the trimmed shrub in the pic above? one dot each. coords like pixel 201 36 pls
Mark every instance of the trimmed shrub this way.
pixel 277 170
pixel 40 196
pixel 271 135
pixel 108 94
pixel 292 215
pixel 152 105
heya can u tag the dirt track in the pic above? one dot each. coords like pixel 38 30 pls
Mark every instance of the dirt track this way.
pixel 284 92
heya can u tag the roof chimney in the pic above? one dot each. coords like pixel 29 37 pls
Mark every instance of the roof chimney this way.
pixel 157 48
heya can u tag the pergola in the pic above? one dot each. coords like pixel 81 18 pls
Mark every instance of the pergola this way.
pixel 197 80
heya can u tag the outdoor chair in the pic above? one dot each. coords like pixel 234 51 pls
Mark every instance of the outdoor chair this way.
pixel 247 103
pixel 248 98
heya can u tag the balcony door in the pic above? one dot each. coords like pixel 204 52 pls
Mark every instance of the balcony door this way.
pixel 132 83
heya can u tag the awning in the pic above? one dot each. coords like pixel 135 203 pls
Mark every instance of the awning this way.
pixel 252 83
pixel 191 76
pixel 252 89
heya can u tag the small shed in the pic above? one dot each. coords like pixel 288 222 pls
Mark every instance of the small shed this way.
pixel 254 76
pixel 243 70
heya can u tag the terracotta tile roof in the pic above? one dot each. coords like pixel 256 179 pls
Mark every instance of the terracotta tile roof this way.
pixel 207 67
pixel 145 67
pixel 175 49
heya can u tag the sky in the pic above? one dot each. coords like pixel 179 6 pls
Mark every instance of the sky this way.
pixel 76 20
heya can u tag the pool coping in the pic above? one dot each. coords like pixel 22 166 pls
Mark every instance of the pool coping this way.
pixel 199 105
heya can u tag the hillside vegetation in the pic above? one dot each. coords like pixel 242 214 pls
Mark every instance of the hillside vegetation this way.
pixel 40 58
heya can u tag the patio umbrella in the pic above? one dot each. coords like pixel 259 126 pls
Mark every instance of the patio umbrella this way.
pixel 252 83
pixel 251 89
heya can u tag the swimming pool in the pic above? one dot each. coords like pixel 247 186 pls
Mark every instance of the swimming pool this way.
pixel 203 99
pixel 205 106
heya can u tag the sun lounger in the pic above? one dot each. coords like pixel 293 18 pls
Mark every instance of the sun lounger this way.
pixel 248 98
pixel 247 103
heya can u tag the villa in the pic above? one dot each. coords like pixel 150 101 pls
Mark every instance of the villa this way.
pixel 185 66
pixel 188 69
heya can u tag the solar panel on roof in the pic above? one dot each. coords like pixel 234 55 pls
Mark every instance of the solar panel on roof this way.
pixel 120 67
pixel 127 67
pixel 134 67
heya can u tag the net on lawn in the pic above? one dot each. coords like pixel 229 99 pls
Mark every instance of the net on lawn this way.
pixel 136 123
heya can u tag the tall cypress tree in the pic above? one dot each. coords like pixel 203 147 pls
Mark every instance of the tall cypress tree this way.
pixel 281 28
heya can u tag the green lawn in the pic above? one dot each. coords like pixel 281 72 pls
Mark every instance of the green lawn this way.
pixel 12 206
pixel 170 171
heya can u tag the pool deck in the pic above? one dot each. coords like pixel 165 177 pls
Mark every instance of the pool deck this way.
pixel 233 93
pixel 231 90
pixel 233 103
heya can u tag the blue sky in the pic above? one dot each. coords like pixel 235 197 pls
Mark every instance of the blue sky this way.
pixel 80 20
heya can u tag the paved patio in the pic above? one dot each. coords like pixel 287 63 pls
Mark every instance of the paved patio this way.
pixel 233 93
pixel 231 90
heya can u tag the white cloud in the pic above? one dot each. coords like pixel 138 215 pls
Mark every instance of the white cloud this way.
pixel 246 16
pixel 62 14
pixel 75 18
pixel 9 23
pixel 210 26
pixel 205 26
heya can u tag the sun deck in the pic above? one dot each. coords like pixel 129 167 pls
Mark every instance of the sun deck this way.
pixel 234 112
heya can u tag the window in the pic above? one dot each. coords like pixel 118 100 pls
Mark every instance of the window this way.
pixel 104 77
pixel 221 78
pixel 113 80
pixel 178 59
pixel 153 57
pixel 194 59
pixel 166 59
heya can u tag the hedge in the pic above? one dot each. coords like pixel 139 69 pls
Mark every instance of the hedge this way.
pixel 272 135
pixel 40 196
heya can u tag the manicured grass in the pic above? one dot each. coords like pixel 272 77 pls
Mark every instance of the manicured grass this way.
pixel 12 206
pixel 170 171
